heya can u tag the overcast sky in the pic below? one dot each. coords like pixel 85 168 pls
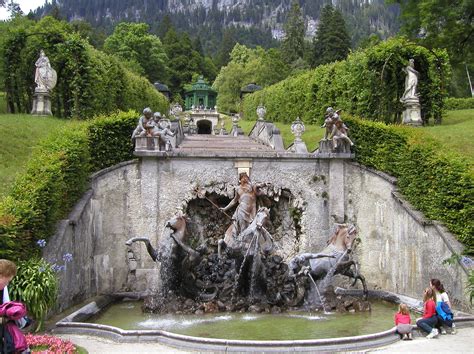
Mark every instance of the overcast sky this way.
pixel 26 6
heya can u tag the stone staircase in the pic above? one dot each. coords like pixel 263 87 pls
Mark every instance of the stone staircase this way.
pixel 220 143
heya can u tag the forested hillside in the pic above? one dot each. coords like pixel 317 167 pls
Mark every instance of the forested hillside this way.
pixel 252 22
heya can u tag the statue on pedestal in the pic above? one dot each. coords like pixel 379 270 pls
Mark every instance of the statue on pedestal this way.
pixel 336 138
pixel 45 79
pixel 410 99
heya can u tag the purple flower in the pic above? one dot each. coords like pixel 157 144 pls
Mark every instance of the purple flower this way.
pixel 41 243
pixel 55 267
pixel 67 257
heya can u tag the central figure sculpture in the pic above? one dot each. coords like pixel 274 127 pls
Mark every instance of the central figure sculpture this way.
pixel 246 198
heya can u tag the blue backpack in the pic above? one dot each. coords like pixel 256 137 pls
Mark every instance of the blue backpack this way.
pixel 444 312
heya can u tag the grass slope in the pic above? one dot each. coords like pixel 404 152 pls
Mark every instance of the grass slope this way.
pixel 19 133
pixel 456 133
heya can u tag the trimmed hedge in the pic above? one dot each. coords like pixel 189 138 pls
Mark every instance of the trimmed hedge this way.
pixel 438 184
pixel 56 177
pixel 369 84
pixel 459 103
pixel 110 139
pixel 90 82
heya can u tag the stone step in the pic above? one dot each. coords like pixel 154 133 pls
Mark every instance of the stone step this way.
pixel 219 142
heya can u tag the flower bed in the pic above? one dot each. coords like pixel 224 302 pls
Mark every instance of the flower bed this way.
pixel 49 344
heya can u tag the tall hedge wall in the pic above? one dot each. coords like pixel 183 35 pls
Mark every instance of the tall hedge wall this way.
pixel 57 175
pixel 437 183
pixel 90 82
pixel 369 84
pixel 453 103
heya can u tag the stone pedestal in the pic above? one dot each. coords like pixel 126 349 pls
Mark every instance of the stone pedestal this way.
pixel 147 143
pixel 412 112
pixel 41 104
pixel 299 147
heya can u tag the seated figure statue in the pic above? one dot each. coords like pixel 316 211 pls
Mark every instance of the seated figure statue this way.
pixel 339 137
pixel 329 119
pixel 146 124
pixel 161 129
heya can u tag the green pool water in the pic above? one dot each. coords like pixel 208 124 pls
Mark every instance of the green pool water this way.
pixel 288 326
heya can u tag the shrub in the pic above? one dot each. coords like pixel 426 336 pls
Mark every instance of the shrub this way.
pixel 452 103
pixel 36 286
pixel 437 183
pixel 55 178
pixel 369 84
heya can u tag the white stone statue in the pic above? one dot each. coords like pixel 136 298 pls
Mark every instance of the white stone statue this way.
pixel 411 82
pixel 45 75
pixel 410 99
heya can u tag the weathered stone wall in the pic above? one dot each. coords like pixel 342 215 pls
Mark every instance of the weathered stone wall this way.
pixel 400 250
pixel 398 253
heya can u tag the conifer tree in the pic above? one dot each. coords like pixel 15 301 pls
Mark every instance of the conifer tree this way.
pixel 293 45
pixel 227 44
pixel 332 42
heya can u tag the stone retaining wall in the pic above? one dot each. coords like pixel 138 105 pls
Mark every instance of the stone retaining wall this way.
pixel 400 251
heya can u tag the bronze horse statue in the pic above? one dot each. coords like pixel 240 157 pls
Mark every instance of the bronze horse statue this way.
pixel 336 258
pixel 178 226
pixel 251 240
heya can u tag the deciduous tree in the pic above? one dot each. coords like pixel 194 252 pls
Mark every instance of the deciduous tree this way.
pixel 143 51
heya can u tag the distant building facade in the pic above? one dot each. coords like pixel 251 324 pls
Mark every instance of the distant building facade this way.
pixel 200 96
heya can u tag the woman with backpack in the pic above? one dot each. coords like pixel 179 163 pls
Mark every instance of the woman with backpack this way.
pixel 443 307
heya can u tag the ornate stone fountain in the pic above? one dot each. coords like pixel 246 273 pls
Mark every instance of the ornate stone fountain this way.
pixel 246 261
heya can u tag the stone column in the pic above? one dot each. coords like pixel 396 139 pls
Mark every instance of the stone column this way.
pixel 336 190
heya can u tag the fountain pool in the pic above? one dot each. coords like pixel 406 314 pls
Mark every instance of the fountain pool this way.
pixel 296 325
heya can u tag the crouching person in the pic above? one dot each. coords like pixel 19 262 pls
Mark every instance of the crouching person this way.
pixel 403 322
pixel 429 321
pixel 12 339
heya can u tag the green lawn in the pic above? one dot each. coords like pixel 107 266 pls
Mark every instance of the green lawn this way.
pixel 456 132
pixel 19 133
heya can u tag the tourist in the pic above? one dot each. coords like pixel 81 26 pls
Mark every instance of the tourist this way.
pixel 12 340
pixel 403 322
pixel 7 272
pixel 443 307
pixel 429 321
